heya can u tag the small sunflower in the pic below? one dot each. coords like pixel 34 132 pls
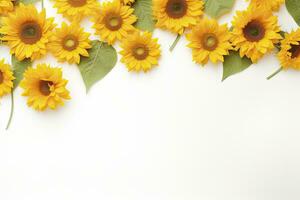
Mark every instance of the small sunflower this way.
pixel 254 33
pixel 289 54
pixel 209 40
pixel 114 21
pixel 268 5
pixel 6 6
pixel 76 10
pixel 27 32
pixel 45 87
pixel 68 43
pixel 140 51
pixel 176 15
pixel 6 78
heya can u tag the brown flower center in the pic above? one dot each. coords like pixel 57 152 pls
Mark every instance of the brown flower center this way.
pixel 44 87
pixel 254 31
pixel 30 32
pixel 295 51
pixel 70 42
pixel 210 41
pixel 1 77
pixel 176 8
pixel 77 3
pixel 113 22
pixel 140 52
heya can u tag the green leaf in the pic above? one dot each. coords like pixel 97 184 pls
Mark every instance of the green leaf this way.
pixel 26 2
pixel 217 8
pixel 102 59
pixel 234 64
pixel 293 6
pixel 143 11
pixel 19 68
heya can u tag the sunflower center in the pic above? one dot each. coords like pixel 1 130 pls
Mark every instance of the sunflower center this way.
pixel 70 43
pixel 210 41
pixel 113 22
pixel 176 8
pixel 77 3
pixel 1 77
pixel 44 87
pixel 254 31
pixel 140 52
pixel 295 51
pixel 30 32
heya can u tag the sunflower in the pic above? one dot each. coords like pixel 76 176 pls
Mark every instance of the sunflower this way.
pixel 140 51
pixel 289 54
pixel 6 78
pixel 209 40
pixel 268 5
pixel 176 15
pixel 254 33
pixel 68 43
pixel 76 10
pixel 27 32
pixel 6 6
pixel 127 2
pixel 114 21
pixel 44 87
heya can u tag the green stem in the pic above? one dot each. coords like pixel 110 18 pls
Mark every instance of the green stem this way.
pixel 175 42
pixel 275 73
pixel 11 110
pixel 42 4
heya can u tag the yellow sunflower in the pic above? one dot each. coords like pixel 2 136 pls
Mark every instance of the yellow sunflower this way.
pixel 127 2
pixel 114 21
pixel 45 87
pixel 6 78
pixel 209 40
pixel 140 51
pixel 176 15
pixel 254 33
pixel 27 32
pixel 76 10
pixel 68 43
pixel 6 6
pixel 268 5
pixel 289 54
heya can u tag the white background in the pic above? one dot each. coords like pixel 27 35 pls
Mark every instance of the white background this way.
pixel 176 133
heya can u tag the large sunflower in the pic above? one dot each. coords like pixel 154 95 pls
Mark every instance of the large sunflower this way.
pixel 289 54
pixel 176 15
pixel 114 21
pixel 254 33
pixel 45 87
pixel 68 43
pixel 267 5
pixel 76 10
pixel 209 40
pixel 27 32
pixel 6 78
pixel 140 51
pixel 6 6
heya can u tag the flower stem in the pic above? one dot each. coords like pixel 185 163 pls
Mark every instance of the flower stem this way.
pixel 11 110
pixel 42 4
pixel 175 43
pixel 275 73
